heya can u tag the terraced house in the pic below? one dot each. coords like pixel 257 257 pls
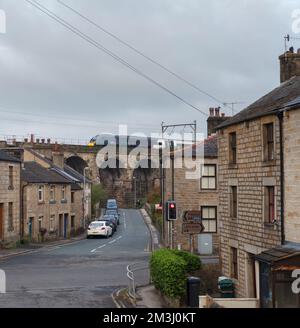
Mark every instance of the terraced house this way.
pixel 9 199
pixel 198 193
pixel 259 175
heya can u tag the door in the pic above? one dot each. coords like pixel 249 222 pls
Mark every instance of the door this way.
pixel 251 276
pixel 205 244
pixel 30 228
pixel 66 217
pixel 1 222
pixel 61 225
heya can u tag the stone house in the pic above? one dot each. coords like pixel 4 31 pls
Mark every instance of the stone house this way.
pixel 9 199
pixel 46 203
pixel 194 193
pixel 259 210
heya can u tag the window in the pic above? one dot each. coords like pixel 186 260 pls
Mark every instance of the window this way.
pixel 52 194
pixel 269 204
pixel 63 193
pixel 234 262
pixel 208 180
pixel 233 202
pixel 209 218
pixel 41 194
pixel 52 223
pixel 232 148
pixel 268 147
pixel 11 177
pixel 72 197
pixel 10 217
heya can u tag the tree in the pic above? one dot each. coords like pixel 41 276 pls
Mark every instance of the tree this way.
pixel 99 196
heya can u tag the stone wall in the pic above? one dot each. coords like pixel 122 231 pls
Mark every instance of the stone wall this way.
pixel 35 209
pixel 189 196
pixel 248 233
pixel 10 195
pixel 292 175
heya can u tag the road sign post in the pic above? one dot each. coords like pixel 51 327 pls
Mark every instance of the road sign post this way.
pixel 192 225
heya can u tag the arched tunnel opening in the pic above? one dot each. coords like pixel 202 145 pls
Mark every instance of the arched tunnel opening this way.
pixel 77 163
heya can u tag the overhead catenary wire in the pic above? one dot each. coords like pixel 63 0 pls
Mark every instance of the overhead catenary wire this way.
pixel 139 52
pixel 96 44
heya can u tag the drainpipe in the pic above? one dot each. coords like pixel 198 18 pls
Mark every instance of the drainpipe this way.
pixel 280 117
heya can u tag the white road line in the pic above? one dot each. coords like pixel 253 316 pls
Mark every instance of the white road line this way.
pixel 94 250
pixel 124 216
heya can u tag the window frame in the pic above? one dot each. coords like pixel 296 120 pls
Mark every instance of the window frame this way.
pixel 63 193
pixel 41 191
pixel 233 204
pixel 268 142
pixel 269 207
pixel 52 193
pixel 208 177
pixel 10 177
pixel 209 219
pixel 53 221
pixel 232 150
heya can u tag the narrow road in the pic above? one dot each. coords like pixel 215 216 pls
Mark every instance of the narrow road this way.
pixel 82 274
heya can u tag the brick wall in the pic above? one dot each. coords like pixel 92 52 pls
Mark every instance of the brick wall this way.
pixel 248 233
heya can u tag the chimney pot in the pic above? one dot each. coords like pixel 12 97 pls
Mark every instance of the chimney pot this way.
pixel 48 140
pixel 38 141
pixel 26 140
pixel 32 138
pixel 211 111
pixel 43 141
pixel 217 111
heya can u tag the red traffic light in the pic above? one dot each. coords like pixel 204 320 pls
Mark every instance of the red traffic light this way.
pixel 172 205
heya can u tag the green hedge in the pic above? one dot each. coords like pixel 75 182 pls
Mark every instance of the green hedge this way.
pixel 169 270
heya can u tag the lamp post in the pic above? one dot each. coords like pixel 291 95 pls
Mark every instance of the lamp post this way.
pixel 134 179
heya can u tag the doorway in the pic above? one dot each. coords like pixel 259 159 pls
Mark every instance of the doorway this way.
pixel 66 219
pixel 31 228
pixel 251 276
pixel 61 226
pixel 1 222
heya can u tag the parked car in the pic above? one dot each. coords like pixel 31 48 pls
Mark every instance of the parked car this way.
pixel 111 204
pixel 99 228
pixel 113 212
pixel 112 219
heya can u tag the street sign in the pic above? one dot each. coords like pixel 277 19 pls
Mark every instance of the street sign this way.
pixel 192 216
pixel 192 228
pixel 192 223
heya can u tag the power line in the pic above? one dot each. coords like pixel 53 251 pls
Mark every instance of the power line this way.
pixel 96 44
pixel 8 111
pixel 153 61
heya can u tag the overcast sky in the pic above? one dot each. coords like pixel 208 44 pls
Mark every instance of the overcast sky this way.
pixel 52 83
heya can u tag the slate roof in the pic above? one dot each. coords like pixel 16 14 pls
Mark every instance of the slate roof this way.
pixel 35 173
pixel 271 256
pixel 5 157
pixel 270 103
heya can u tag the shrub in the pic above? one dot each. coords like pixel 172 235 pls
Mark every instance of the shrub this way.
pixel 169 270
pixel 192 261
pixel 168 273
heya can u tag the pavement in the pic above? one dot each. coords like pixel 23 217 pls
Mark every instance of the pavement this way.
pixel 82 273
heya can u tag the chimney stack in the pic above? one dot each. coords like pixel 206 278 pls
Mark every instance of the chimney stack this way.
pixel 58 159
pixel 215 118
pixel 289 65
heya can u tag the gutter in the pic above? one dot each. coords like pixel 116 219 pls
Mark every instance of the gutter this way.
pixel 282 212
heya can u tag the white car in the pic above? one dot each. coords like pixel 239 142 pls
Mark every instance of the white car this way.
pixel 99 228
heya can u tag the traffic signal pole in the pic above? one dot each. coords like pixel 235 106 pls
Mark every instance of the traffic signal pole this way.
pixel 173 190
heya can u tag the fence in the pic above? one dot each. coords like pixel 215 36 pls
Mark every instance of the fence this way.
pixel 138 275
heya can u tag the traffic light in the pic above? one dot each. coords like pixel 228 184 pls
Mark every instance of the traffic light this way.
pixel 171 211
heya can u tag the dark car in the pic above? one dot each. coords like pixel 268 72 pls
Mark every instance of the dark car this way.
pixel 112 219
pixel 113 212
pixel 111 204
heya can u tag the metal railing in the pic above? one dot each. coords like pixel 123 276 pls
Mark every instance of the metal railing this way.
pixel 138 275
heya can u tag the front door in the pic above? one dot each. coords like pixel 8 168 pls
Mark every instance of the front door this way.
pixel 1 222
pixel 251 276
pixel 30 228
pixel 66 225
pixel 61 225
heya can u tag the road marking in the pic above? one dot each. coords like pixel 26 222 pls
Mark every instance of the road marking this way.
pixel 94 250
pixel 124 217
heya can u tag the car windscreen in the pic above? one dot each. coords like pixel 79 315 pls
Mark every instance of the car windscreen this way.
pixel 96 225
